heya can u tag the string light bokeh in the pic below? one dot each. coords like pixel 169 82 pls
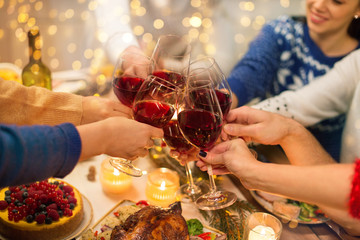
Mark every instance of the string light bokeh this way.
pixel 73 37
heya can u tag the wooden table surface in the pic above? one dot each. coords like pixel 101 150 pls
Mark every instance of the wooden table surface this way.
pixel 302 231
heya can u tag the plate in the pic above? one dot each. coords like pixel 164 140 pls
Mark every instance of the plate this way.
pixel 88 215
pixel 98 225
pixel 269 207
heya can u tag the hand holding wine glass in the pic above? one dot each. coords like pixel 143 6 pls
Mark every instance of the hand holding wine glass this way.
pixel 131 70
pixel 200 120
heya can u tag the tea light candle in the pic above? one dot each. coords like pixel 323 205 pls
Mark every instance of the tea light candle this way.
pixel 161 187
pixel 112 180
pixel 261 232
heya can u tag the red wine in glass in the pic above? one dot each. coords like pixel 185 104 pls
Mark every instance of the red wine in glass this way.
pixel 225 101
pixel 126 88
pixel 174 139
pixel 152 112
pixel 175 78
pixel 201 127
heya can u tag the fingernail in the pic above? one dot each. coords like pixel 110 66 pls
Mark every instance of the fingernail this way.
pixel 202 154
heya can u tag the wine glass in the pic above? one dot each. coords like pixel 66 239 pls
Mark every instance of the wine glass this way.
pixel 200 120
pixel 174 139
pixel 207 66
pixel 154 104
pixel 171 56
pixel 130 72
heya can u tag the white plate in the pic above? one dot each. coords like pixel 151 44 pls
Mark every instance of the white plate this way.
pixel 88 215
pixel 269 207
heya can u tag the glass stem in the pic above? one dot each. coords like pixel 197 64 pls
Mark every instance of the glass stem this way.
pixel 212 180
pixel 189 175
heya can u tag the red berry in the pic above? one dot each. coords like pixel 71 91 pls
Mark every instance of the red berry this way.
pixel 40 218
pixel 53 214
pixel 67 189
pixel 3 205
pixel 71 199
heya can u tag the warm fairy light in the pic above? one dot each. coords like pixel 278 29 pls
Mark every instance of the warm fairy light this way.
pixel 138 30
pixel 18 62
pixel 92 5
pixel 285 3
pixel 38 5
pixel 37 54
pixel 85 15
pixel 76 65
pixel 88 53
pixel 35 68
pixel 102 37
pixel 210 49
pixel 2 3
pixel 158 24
pixel 69 13
pixel 147 37
pixel 204 37
pixel 207 23
pixel 193 33
pixel 31 22
pixel 195 21
pixel 186 22
pixel 245 21
pixel 140 11
pixel 71 47
pixel 52 29
pixel 23 17
pixel 195 3
pixel 260 20
pixel 101 79
pixel 54 63
pixel 1 33
pixel 135 4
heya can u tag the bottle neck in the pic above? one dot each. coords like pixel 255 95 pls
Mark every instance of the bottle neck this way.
pixel 35 44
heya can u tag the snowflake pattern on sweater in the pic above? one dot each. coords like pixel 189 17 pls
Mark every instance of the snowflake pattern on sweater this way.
pixel 284 57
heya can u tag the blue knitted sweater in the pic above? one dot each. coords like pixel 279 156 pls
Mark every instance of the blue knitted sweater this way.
pixel 32 153
pixel 284 57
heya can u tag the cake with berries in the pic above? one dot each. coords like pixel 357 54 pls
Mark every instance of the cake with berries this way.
pixel 49 209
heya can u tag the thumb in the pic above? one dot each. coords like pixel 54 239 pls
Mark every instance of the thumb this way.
pixel 157 132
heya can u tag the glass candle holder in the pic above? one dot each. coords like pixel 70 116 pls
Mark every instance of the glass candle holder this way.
pixel 262 226
pixel 161 187
pixel 112 180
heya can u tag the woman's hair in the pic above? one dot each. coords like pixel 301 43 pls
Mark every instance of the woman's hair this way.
pixel 354 28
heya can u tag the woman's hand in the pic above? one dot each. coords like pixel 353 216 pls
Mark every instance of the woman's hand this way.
pixel 228 157
pixel 97 108
pixel 117 137
pixel 259 126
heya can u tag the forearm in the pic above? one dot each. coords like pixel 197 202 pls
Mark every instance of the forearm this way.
pixel 93 139
pixel 301 147
pixel 34 105
pixel 326 185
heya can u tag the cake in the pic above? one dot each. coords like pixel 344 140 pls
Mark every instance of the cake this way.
pixel 49 209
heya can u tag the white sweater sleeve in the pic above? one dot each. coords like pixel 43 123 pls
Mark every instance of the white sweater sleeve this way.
pixel 113 21
pixel 325 97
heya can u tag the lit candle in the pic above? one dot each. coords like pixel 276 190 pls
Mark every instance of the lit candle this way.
pixel 262 232
pixel 112 180
pixel 161 187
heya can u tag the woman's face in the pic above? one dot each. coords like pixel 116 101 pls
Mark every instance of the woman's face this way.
pixel 330 16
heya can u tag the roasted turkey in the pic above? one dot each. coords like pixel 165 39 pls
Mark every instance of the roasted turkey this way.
pixel 153 222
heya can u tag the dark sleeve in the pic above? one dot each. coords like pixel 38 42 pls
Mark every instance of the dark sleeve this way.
pixel 253 74
pixel 33 153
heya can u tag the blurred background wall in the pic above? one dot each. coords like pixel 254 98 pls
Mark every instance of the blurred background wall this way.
pixel 74 34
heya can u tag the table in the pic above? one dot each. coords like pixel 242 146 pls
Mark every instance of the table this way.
pixel 102 202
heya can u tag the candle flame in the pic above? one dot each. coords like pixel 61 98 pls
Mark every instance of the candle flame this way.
pixel 162 186
pixel 116 172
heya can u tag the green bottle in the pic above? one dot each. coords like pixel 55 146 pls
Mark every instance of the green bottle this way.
pixel 36 73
